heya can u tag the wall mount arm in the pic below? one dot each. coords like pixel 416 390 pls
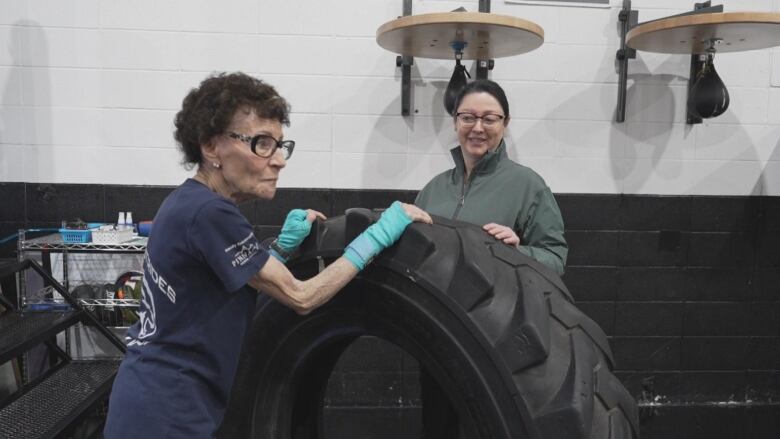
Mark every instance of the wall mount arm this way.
pixel 484 65
pixel 628 18
pixel 405 63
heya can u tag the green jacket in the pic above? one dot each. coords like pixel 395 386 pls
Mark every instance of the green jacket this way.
pixel 503 192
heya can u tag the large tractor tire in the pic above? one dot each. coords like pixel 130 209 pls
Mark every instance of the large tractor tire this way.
pixel 498 331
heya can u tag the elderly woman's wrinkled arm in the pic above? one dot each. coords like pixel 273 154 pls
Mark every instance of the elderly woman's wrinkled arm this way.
pixel 303 297
pixel 276 280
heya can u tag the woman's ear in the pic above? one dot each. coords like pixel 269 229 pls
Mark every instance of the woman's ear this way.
pixel 209 151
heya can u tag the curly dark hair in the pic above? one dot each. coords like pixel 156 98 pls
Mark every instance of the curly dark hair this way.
pixel 208 109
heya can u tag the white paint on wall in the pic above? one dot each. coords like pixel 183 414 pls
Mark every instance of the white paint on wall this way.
pixel 89 87
pixel 775 54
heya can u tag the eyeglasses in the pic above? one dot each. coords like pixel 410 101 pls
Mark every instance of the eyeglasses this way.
pixel 488 120
pixel 264 145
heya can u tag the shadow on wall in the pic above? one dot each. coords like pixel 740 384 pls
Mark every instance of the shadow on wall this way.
pixel 711 158
pixel 26 116
pixel 436 130
pixel 655 151
pixel 379 165
pixel 770 175
pixel 385 150
pixel 650 94
pixel 733 157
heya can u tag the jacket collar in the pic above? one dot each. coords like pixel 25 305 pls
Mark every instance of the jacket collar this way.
pixel 486 165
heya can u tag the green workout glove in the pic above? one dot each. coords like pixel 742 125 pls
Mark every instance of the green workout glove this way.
pixel 378 236
pixel 294 231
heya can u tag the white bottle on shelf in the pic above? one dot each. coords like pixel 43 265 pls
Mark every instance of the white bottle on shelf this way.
pixel 121 222
pixel 129 220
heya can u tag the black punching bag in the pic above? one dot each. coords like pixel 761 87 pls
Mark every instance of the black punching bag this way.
pixel 708 96
pixel 457 83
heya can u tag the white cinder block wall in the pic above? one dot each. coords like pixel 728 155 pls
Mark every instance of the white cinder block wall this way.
pixel 90 88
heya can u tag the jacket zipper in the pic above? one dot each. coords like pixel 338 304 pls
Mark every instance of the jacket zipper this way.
pixel 464 191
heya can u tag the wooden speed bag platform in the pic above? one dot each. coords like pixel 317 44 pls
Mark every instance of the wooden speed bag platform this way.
pixel 486 35
pixel 690 34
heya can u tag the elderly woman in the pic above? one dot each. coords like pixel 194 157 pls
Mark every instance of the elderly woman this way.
pixel 510 201
pixel 204 267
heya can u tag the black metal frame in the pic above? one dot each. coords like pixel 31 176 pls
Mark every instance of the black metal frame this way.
pixel 484 65
pixel 86 407
pixel 83 314
pixel 57 322
pixel 628 19
pixel 29 385
pixel 87 316
pixel 406 62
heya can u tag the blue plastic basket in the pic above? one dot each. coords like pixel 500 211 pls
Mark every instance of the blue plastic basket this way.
pixel 73 236
pixel 79 236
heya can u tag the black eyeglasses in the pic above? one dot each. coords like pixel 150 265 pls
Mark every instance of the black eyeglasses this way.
pixel 488 120
pixel 264 145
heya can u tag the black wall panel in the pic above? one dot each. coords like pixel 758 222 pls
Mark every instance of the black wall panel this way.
pixel 686 287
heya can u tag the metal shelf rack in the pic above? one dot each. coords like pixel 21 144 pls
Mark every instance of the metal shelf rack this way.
pixel 108 310
pixel 54 244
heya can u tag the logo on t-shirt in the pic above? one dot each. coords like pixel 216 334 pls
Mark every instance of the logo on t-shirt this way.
pixel 243 250
pixel 147 315
pixel 159 280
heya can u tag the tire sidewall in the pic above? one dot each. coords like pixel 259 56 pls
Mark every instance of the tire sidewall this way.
pixel 384 304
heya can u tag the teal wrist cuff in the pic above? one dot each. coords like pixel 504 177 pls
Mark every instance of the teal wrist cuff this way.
pixel 378 236
pixel 361 251
pixel 390 226
pixel 354 258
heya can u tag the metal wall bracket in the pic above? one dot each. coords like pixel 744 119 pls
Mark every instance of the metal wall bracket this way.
pixel 406 63
pixel 628 19
pixel 484 65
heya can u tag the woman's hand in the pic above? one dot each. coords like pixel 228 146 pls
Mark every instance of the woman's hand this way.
pixel 384 233
pixel 416 214
pixel 297 227
pixel 312 215
pixel 502 233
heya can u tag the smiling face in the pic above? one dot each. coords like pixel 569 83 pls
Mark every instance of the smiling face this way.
pixel 244 175
pixel 476 140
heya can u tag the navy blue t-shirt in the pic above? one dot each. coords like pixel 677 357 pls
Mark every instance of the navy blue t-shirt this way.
pixel 183 352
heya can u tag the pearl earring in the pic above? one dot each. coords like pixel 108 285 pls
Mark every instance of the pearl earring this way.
pixel 216 165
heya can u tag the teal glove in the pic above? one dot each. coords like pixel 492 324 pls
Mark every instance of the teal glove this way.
pixel 378 236
pixel 294 231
